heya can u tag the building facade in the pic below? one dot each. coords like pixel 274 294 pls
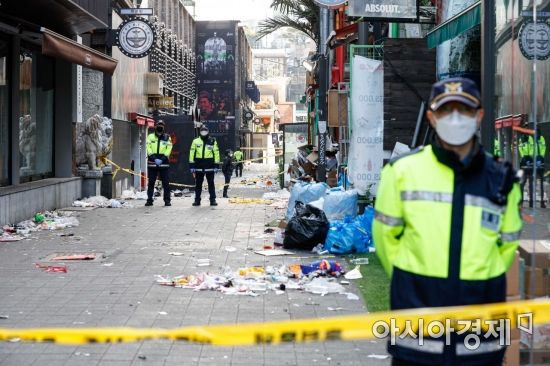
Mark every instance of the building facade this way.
pixel 38 78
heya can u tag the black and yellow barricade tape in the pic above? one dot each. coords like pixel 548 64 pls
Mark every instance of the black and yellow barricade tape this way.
pixel 354 327
pixel 118 168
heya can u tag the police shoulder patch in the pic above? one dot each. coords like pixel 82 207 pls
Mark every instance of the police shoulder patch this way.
pixel 412 152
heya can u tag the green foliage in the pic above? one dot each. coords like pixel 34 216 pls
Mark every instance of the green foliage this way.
pixel 302 15
pixel 375 284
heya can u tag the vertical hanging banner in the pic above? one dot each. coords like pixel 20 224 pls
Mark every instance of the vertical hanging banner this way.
pixel 367 107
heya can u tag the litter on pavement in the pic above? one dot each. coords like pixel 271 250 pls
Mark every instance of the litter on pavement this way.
pixel 354 274
pixel 53 220
pixel 273 252
pixel 319 277
pixel 258 201
pixel 56 269
pixel 100 201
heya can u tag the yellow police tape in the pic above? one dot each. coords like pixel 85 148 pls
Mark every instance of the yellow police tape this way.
pixel 118 168
pixel 353 327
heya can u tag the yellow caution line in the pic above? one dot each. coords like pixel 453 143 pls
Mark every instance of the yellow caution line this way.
pixel 353 327
pixel 131 172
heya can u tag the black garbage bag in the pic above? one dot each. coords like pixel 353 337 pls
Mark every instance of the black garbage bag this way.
pixel 307 228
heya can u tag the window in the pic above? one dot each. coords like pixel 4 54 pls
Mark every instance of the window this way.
pixel 36 103
pixel 4 114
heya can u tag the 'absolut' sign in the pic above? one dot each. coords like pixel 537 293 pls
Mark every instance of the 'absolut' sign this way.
pixel 391 9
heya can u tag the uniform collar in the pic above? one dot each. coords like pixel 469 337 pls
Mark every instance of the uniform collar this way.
pixel 473 162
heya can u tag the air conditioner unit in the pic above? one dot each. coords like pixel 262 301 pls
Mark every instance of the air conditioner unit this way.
pixel 154 83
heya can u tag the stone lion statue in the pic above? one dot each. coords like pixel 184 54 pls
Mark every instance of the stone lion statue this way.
pixel 94 140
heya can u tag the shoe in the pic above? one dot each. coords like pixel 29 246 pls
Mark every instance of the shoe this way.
pixel 213 203
pixel 225 196
pixel 149 203
pixel 196 203
pixel 167 204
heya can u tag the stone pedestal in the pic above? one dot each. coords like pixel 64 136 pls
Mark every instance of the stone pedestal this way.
pixel 107 182
pixel 91 182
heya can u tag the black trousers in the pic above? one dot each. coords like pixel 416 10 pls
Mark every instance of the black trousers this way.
pixel 239 170
pixel 227 177
pixel 153 173
pixel 199 179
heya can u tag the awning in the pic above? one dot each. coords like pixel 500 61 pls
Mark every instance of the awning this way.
pixel 141 120
pixel 56 45
pixel 63 16
pixel 452 27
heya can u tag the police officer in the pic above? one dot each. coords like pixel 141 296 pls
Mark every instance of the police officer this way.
pixel 447 225
pixel 238 155
pixel 526 152
pixel 227 170
pixel 159 147
pixel 204 160
pixel 496 148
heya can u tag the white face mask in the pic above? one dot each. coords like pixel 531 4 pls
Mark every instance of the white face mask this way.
pixel 204 133
pixel 456 128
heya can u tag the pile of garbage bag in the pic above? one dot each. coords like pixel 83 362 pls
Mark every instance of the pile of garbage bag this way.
pixel 338 203
pixel 351 235
pixel 307 228
pixel 305 193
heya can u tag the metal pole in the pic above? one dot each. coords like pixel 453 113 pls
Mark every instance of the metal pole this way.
pixel 488 73
pixel 533 186
pixel 323 84
pixel 419 121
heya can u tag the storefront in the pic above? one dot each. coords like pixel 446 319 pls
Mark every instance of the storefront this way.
pixel 37 104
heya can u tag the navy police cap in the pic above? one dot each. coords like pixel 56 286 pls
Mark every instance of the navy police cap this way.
pixel 455 90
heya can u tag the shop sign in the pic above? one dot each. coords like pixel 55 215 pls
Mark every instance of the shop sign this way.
pixel 384 9
pixel 161 102
pixel 330 3
pixel 136 11
pixel 135 37
pixel 534 39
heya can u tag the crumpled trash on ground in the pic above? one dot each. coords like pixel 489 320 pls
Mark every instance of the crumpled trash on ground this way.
pixel 132 194
pixel 52 221
pixel 318 278
pixel 55 269
pixel 100 201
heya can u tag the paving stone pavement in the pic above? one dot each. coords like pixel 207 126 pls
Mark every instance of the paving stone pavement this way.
pixel 137 242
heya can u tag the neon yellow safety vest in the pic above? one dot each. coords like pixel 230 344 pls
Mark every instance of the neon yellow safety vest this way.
pixel 496 149
pixel 158 147
pixel 541 148
pixel 238 155
pixel 204 154
pixel 444 233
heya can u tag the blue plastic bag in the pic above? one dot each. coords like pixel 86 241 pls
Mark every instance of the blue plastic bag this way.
pixel 305 193
pixel 351 235
pixel 340 203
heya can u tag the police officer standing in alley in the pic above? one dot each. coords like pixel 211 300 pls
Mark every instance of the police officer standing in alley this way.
pixel 204 161
pixel 159 148
pixel 238 155
pixel 447 226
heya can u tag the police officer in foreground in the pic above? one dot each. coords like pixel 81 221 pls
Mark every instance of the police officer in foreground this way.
pixel 238 155
pixel 159 148
pixel 204 160
pixel 447 225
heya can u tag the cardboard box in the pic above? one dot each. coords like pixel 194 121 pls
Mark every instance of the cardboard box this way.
pixel 332 179
pixel 541 252
pixel 542 282
pixel 512 278
pixel 511 357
